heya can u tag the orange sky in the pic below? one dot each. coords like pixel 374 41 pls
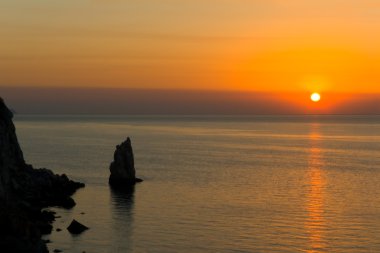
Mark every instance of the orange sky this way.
pixel 329 46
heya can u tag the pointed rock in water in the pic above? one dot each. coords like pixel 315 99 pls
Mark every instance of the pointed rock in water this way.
pixel 76 227
pixel 123 173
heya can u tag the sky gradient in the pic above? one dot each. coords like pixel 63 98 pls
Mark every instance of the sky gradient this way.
pixel 281 48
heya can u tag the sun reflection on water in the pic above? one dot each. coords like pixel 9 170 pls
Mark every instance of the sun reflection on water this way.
pixel 315 222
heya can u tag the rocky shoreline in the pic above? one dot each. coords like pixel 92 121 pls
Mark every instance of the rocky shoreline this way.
pixel 24 192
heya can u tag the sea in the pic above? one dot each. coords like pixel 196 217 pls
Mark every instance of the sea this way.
pixel 215 183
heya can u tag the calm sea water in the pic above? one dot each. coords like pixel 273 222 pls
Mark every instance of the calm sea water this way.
pixel 216 184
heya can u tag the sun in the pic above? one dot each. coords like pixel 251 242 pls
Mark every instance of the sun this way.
pixel 315 97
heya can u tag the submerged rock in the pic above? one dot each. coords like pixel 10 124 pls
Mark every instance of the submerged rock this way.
pixel 123 173
pixel 76 227
pixel 24 191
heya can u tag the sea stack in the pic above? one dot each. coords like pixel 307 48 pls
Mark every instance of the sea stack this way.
pixel 24 191
pixel 123 173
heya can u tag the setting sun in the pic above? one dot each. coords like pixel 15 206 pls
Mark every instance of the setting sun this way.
pixel 315 97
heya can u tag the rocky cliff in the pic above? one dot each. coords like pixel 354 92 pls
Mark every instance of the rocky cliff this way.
pixel 24 191
pixel 123 173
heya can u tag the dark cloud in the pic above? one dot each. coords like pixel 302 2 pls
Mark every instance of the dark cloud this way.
pixel 150 101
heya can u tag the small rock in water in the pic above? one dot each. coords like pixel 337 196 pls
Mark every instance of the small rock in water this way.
pixel 76 227
pixel 58 230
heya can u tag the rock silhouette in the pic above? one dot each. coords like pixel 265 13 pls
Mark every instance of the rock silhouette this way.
pixel 76 227
pixel 123 173
pixel 24 191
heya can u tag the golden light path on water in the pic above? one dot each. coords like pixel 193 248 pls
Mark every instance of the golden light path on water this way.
pixel 316 222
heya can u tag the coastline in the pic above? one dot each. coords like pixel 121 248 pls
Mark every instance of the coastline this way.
pixel 25 192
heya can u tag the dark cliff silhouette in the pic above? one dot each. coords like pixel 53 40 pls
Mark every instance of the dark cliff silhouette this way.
pixel 24 191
